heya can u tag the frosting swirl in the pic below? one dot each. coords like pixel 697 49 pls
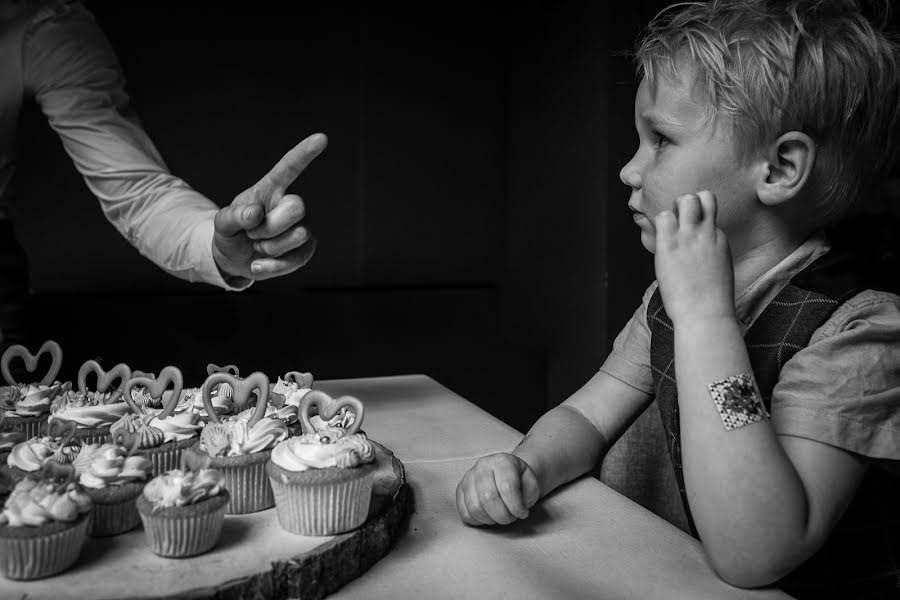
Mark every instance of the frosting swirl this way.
pixel 291 391
pixel 235 437
pixel 287 413
pixel 324 449
pixel 8 439
pixel 87 409
pixel 33 503
pixel 178 427
pixel 192 401
pixel 30 455
pixel 141 397
pixel 178 488
pixel 104 465
pixel 27 400
pixel 150 437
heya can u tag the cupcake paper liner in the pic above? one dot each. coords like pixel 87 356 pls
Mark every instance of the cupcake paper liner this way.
pixel 94 435
pixel 186 535
pixel 322 508
pixel 43 555
pixel 167 456
pixel 30 426
pixel 247 482
pixel 115 515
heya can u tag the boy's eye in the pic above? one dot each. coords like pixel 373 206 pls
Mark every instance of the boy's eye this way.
pixel 660 139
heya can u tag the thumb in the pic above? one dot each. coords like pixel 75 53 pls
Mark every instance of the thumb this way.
pixel 531 489
pixel 235 218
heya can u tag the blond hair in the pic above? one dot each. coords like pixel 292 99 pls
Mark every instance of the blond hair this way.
pixel 817 66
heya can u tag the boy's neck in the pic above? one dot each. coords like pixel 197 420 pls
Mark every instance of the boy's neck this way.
pixel 753 263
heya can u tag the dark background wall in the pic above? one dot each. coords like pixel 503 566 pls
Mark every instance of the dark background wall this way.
pixel 470 219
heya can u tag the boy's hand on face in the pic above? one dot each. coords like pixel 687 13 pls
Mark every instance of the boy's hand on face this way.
pixel 693 261
pixel 259 235
pixel 497 490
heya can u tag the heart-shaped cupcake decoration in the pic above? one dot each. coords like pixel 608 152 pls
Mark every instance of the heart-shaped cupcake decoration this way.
pixel 212 368
pixel 31 361
pixel 58 474
pixel 64 431
pixel 193 460
pixel 328 408
pixel 121 371
pixel 130 440
pixel 303 380
pixel 243 391
pixel 155 386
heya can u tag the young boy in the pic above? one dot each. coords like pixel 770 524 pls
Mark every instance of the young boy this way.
pixel 771 348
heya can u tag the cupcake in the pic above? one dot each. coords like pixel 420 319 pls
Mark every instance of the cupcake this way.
pixel 183 509
pixel 8 439
pixel 322 480
pixel 57 443
pixel 239 447
pixel 27 405
pixel 90 413
pixel 113 476
pixel 163 434
pixel 44 524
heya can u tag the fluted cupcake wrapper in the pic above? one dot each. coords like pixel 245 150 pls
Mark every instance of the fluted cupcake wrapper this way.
pixel 249 488
pixel 94 436
pixel 322 509
pixel 30 426
pixel 114 518
pixel 163 458
pixel 44 555
pixel 188 536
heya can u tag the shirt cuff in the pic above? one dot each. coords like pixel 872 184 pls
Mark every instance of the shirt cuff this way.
pixel 640 377
pixel 204 265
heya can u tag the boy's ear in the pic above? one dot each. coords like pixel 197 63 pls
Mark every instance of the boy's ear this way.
pixel 788 166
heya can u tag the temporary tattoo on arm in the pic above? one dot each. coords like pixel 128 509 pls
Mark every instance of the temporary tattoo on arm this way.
pixel 738 401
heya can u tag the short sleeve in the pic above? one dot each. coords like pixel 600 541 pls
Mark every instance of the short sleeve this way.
pixel 843 389
pixel 629 360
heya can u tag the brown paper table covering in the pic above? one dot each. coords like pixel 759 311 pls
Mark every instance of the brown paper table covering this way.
pixel 583 541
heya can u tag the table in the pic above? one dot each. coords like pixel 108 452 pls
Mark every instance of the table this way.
pixel 583 541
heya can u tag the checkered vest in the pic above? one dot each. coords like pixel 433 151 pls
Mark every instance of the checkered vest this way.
pixel 864 548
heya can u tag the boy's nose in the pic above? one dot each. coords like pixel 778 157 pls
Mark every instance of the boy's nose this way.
pixel 630 175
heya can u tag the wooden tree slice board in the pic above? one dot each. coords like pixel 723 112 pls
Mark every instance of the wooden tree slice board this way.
pixel 255 559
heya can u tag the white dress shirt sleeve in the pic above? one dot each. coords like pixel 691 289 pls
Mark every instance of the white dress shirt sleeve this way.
pixel 72 71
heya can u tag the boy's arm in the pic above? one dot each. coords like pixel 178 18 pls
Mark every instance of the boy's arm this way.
pixel 565 443
pixel 762 504
pixel 569 440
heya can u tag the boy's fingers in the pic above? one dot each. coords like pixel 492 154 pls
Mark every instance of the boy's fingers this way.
pixel 666 226
pixel 461 506
pixel 473 505
pixel 509 485
pixel 489 498
pixel 709 206
pixel 689 211
pixel 531 489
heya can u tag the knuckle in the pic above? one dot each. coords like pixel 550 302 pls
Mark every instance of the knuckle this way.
pixel 485 496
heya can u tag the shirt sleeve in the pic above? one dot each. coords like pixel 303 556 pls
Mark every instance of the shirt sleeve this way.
pixel 843 389
pixel 72 71
pixel 629 360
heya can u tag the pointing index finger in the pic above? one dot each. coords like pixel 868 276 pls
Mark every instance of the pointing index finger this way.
pixel 295 161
